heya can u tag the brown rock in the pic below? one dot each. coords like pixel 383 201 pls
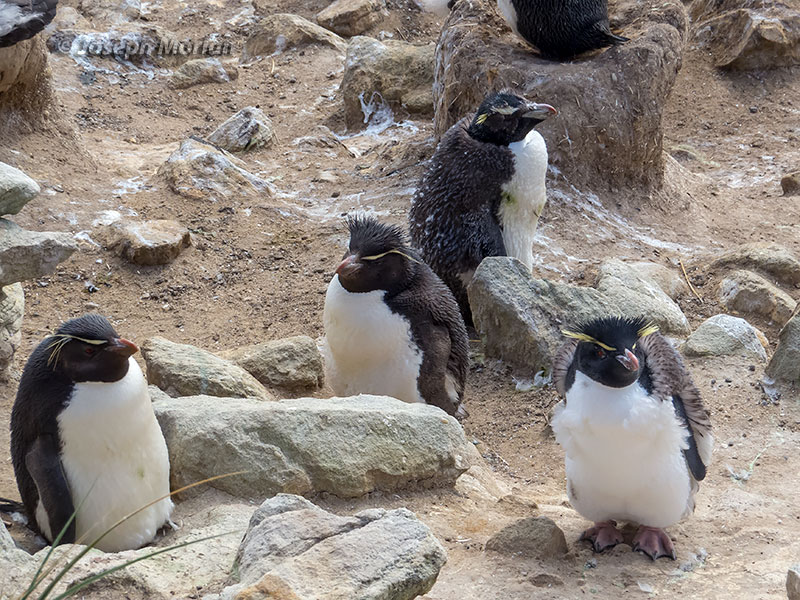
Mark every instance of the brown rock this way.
pixel 276 33
pixel 148 242
pixel 534 537
pixel 770 259
pixel 790 184
pixel 751 294
pixel 610 103
pixel 350 17
pixel 204 70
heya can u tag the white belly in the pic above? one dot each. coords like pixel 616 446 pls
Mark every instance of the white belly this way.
pixel 116 462
pixel 368 349
pixel 524 197
pixel 624 458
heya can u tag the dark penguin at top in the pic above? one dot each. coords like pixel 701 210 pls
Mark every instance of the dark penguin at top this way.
pixel 22 19
pixel 483 191
pixel 636 435
pixel 391 326
pixel 561 29
pixel 85 440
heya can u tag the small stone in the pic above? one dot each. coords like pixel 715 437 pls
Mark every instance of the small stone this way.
pixel 248 129
pixel 531 537
pixel 350 17
pixel 793 583
pixel 725 335
pixel 204 70
pixel 148 242
pixel 790 184
pixel 547 580
pixel 754 109
pixel 16 189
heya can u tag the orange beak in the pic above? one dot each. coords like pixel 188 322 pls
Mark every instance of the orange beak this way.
pixel 348 265
pixel 123 347
pixel 629 361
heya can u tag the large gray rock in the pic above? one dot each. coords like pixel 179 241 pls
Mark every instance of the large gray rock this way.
pixel 351 17
pixel 520 318
pixel 184 370
pixel 199 171
pixel 400 72
pixel 757 34
pixel 793 583
pixel 30 254
pixel 248 129
pixel 531 537
pixel 293 364
pixel 784 366
pixel 790 184
pixel 669 280
pixel 16 189
pixel 12 309
pixel 297 551
pixel 723 335
pixel 279 32
pixel 204 70
pixel 345 446
pixel 772 260
pixel 748 293
pixel 622 90
pixel 156 242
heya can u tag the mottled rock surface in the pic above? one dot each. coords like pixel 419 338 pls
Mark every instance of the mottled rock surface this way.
pixel 723 335
pixel 156 242
pixel 16 189
pixel 204 70
pixel 531 537
pixel 12 309
pixel 772 260
pixel 248 129
pixel 351 17
pixel 279 32
pixel 793 583
pixel 30 254
pixel 784 366
pixel 790 184
pixel 750 294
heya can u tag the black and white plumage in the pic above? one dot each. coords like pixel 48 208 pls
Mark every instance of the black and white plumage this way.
pixel 561 29
pixel 483 192
pixel 85 440
pixel 391 326
pixel 636 435
pixel 22 19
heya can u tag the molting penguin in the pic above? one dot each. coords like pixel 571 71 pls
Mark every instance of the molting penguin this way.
pixel 22 19
pixel 561 29
pixel 483 191
pixel 84 438
pixel 636 436
pixel 391 326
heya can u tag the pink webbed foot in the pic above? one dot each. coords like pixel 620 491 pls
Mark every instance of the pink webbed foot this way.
pixel 603 535
pixel 653 542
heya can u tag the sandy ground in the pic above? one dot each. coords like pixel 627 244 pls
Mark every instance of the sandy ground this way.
pixel 260 266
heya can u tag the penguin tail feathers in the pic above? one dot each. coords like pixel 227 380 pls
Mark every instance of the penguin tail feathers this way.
pixel 10 506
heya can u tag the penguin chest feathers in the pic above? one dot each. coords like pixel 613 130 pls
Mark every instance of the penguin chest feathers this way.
pixel 524 197
pixel 115 460
pixel 368 348
pixel 624 456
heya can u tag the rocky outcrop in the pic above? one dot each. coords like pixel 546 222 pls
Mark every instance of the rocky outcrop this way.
pixel 248 129
pixel 751 294
pixel 399 72
pixel 200 171
pixel 293 364
pixel 16 189
pixel 531 537
pixel 345 446
pixel 12 309
pixel 156 242
pixel 184 370
pixel 351 17
pixel 278 32
pixel 784 366
pixel 204 70
pixel 622 91
pixel 297 551
pixel 771 260
pixel 520 318
pixel 758 34
pixel 724 335
pixel 30 254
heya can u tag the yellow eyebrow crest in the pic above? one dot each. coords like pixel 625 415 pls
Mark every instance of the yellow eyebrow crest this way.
pixel 582 337
pixel 482 118
pixel 395 251
pixel 647 329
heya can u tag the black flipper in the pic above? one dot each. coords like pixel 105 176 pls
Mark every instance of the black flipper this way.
pixel 44 465
pixel 8 506
pixel 696 466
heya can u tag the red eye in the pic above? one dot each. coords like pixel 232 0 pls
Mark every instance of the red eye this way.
pixel 600 353
pixel 89 351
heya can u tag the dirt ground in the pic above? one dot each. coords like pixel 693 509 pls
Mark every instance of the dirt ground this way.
pixel 260 266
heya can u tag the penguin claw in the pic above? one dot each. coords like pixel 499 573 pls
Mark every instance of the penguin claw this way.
pixel 653 542
pixel 603 535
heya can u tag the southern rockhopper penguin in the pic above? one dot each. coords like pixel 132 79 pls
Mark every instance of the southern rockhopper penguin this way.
pixel 636 436
pixel 85 440
pixel 22 19
pixel 483 191
pixel 561 29
pixel 391 326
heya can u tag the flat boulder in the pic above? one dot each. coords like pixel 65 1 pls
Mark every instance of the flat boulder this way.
pixel 185 370
pixel 725 335
pixel 531 537
pixel 399 72
pixel 30 254
pixel 204 70
pixel 294 550
pixel 608 133
pixel 351 17
pixel 157 242
pixel 278 32
pixel 345 446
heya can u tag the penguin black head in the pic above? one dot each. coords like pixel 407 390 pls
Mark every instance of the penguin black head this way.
pixel 607 351
pixel 379 257
pixel 88 349
pixel 504 118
